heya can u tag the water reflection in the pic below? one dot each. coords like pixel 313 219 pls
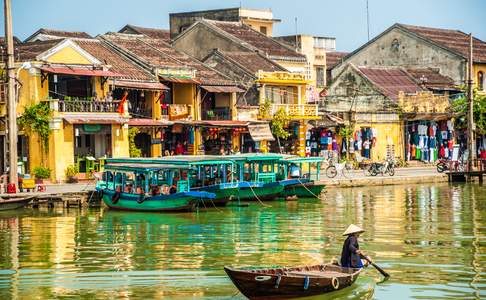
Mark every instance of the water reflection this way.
pixel 431 238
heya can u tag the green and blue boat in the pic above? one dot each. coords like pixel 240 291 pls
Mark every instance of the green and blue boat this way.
pixel 149 187
pixel 300 176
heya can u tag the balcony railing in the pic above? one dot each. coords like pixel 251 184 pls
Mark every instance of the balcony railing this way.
pixel 223 113
pixel 297 111
pixel 88 106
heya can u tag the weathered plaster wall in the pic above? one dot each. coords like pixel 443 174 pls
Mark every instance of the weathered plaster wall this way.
pixel 398 48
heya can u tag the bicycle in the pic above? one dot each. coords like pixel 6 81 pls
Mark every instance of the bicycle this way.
pixel 342 168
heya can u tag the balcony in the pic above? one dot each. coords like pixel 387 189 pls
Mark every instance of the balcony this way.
pixel 215 114
pixel 176 111
pixel 294 111
pixel 87 106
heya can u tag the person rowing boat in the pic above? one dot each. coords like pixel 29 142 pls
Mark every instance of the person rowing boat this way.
pixel 351 254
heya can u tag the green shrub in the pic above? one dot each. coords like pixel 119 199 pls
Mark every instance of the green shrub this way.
pixel 71 171
pixel 42 172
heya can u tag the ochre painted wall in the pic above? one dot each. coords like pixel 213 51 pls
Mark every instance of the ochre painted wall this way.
pixel 61 151
pixel 68 55
pixel 119 144
pixel 388 134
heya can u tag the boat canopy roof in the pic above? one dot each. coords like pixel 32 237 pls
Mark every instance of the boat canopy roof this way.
pixel 179 160
pixel 131 167
pixel 256 156
pixel 299 160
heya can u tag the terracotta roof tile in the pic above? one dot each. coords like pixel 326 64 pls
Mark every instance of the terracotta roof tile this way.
pixel 29 51
pixel 333 58
pixel 157 53
pixel 154 33
pixel 252 61
pixel 390 81
pixel 118 63
pixel 256 39
pixel 431 78
pixel 454 40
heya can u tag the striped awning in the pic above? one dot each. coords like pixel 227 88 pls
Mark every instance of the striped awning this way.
pixel 92 118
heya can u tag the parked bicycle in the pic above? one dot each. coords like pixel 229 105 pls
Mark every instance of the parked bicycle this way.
pixel 339 168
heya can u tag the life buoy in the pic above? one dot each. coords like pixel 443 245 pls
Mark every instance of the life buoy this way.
pixel 115 197
pixel 335 283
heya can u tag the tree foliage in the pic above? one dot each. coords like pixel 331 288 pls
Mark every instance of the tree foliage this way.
pixel 279 121
pixel 35 119
pixel 461 106
pixel 133 150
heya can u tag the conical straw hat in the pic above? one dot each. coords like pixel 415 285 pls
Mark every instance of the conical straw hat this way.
pixel 353 229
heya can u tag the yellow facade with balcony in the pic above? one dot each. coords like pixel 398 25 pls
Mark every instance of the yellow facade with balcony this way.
pixel 68 116
pixel 285 91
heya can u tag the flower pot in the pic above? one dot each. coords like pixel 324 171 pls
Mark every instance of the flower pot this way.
pixel 39 181
pixel 72 180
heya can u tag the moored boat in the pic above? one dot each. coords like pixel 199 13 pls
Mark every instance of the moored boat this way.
pixel 278 283
pixel 299 176
pixel 14 202
pixel 257 175
pixel 149 187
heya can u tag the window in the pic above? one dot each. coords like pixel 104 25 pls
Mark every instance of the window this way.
pixel 481 80
pixel 263 29
pixel 320 77
pixel 280 95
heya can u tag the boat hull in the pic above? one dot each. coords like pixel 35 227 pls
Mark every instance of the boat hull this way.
pixel 267 191
pixel 162 203
pixel 223 194
pixel 291 282
pixel 303 190
pixel 14 203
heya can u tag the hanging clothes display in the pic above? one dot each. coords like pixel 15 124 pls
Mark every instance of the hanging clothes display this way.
pixel 428 140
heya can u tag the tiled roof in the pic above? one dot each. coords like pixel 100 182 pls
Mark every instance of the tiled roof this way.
pixel 118 64
pixel 390 81
pixel 154 33
pixel 157 53
pixel 252 61
pixel 454 40
pixel 15 40
pixel 29 51
pixel 333 58
pixel 431 78
pixel 257 39
pixel 55 34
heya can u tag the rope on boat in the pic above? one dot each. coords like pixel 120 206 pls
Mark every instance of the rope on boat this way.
pixel 317 196
pixel 277 282
pixel 214 205
pixel 306 282
pixel 335 283
pixel 263 204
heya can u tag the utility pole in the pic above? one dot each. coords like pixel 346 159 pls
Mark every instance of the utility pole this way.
pixel 368 19
pixel 11 103
pixel 470 117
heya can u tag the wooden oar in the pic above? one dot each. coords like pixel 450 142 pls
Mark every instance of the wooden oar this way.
pixel 376 266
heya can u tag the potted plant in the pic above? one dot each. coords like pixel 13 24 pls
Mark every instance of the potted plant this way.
pixel 41 173
pixel 72 174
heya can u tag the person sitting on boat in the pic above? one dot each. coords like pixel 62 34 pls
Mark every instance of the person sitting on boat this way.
pixel 155 190
pixel 294 171
pixel 351 255
pixel 173 189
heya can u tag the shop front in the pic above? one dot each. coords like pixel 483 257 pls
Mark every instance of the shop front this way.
pixel 428 138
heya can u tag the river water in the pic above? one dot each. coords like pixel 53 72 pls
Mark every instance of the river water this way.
pixel 430 238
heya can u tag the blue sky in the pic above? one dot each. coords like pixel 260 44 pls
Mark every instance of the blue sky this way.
pixel 343 19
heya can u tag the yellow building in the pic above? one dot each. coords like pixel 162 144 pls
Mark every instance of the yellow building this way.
pixel 88 122
pixel 285 91
pixel 385 105
pixel 197 97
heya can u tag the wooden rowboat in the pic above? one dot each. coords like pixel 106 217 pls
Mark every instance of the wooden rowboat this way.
pixel 291 282
pixel 14 202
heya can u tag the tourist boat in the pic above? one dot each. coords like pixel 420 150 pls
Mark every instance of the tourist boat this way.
pixel 14 202
pixel 149 187
pixel 257 175
pixel 296 282
pixel 212 174
pixel 303 183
